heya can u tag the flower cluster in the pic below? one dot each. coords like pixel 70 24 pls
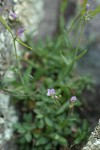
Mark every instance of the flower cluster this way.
pixel 12 16
pixel 87 16
pixel 52 93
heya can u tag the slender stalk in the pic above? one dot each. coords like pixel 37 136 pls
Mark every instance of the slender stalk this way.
pixel 73 23
pixel 76 51
pixel 76 33
pixel 68 115
pixel 79 41
pixel 18 64
pixel 71 146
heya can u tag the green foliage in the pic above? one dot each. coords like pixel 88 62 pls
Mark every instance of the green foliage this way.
pixel 45 123
pixel 49 122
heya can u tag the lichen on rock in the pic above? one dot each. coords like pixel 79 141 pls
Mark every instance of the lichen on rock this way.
pixel 94 139
pixel 7 118
pixel 30 14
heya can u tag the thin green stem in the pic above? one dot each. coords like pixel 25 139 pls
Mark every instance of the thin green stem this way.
pixel 65 122
pixel 14 40
pixel 71 146
pixel 76 51
pixel 6 26
pixel 18 63
pixel 79 41
pixel 76 33
pixel 23 44
pixel 73 23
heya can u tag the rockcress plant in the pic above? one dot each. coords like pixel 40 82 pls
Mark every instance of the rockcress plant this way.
pixel 48 120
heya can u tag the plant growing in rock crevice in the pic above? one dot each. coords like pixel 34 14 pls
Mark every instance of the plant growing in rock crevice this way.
pixel 49 122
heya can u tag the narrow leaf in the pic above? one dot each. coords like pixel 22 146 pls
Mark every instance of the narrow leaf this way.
pixel 81 55
pixel 62 108
pixel 84 4
pixel 67 61
pixel 64 59
pixel 41 141
pixel 66 39
pixel 23 44
pixel 58 138
pixel 95 12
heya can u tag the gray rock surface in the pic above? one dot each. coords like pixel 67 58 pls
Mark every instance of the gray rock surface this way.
pixel 40 19
pixel 94 139
pixel 7 113
pixel 49 24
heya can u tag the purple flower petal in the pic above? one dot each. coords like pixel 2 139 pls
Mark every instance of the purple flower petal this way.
pixel 73 99
pixel 53 91
pixel 20 32
pixel 50 92
pixel 12 14
pixel 87 7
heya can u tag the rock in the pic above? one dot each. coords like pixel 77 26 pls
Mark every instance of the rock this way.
pixel 7 113
pixel 49 23
pixel 40 19
pixel 94 139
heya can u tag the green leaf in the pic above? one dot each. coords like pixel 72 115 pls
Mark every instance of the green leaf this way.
pixel 40 123
pixel 14 69
pixel 66 38
pixel 37 111
pixel 85 125
pixel 67 61
pixel 39 116
pixel 41 141
pixel 28 137
pixel 27 74
pixel 19 41
pixel 21 129
pixel 48 122
pixel 80 56
pixel 59 138
pixel 26 126
pixel 63 6
pixel 69 68
pixel 95 12
pixel 84 5
pixel 62 108
pixel 79 139
pixel 28 117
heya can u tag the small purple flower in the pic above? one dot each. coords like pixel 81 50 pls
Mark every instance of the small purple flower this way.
pixel 73 99
pixel 87 7
pixel 13 15
pixel 50 92
pixel 20 32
